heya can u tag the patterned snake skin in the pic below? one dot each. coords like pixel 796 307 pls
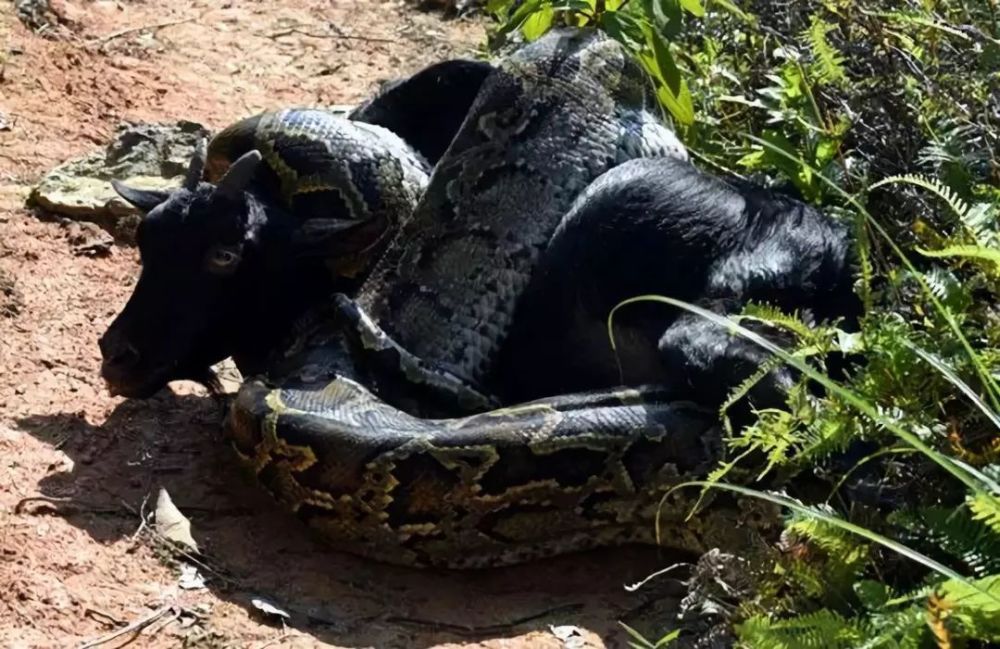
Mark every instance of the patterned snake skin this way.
pixel 338 429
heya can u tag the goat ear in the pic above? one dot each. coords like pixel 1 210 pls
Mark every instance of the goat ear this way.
pixel 240 174
pixel 332 238
pixel 144 199
pixel 197 166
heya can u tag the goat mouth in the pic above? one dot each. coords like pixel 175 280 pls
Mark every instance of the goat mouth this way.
pixel 147 383
pixel 143 390
pixel 134 383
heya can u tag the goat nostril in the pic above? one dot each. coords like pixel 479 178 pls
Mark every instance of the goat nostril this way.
pixel 123 354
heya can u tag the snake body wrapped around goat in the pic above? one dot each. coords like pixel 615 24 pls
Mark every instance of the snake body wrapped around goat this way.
pixel 335 432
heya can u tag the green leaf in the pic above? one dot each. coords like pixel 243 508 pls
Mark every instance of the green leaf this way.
pixel 976 605
pixel 671 89
pixel 638 640
pixel 986 508
pixel 668 20
pixel 499 8
pixel 849 396
pixel 732 8
pixel 693 7
pixel 957 205
pixel 624 28
pixel 535 25
pixel 829 519
pixel 527 8
pixel 826 150
pixel 872 594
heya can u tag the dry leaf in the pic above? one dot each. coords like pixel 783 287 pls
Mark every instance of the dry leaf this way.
pixel 268 608
pixel 191 579
pixel 171 524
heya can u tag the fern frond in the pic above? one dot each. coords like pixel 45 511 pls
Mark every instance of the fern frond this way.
pixel 986 508
pixel 829 65
pixel 743 389
pixel 956 533
pixel 991 255
pixel 773 316
pixel 948 195
pixel 824 629
pixel 982 223
pixel 976 606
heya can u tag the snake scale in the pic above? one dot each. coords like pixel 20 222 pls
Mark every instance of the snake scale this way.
pixel 334 430
pixel 360 179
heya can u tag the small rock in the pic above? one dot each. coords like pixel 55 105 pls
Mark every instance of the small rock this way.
pixel 572 637
pixel 89 239
pixel 147 156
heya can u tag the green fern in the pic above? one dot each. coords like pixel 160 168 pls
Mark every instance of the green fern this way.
pixel 974 609
pixel 958 206
pixel 954 532
pixel 823 629
pixel 773 316
pixel 986 508
pixel 828 68
pixel 785 99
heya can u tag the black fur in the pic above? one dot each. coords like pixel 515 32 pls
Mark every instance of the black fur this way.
pixel 422 108
pixel 181 318
pixel 660 226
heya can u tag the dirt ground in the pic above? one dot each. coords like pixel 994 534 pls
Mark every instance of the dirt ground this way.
pixel 76 464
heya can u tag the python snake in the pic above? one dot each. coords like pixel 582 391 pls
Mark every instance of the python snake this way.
pixel 335 432
pixel 330 170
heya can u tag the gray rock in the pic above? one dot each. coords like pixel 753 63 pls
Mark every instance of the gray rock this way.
pixel 11 300
pixel 40 17
pixel 146 156
pixel 149 156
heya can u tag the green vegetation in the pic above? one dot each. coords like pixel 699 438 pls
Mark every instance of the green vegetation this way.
pixel 887 113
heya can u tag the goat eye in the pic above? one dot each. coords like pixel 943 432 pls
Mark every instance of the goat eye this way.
pixel 222 258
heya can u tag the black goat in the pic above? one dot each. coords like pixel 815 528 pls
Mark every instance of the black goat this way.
pixel 227 269
pixel 218 278
pixel 661 226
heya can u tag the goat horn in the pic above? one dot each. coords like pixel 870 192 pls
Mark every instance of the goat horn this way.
pixel 240 173
pixel 197 166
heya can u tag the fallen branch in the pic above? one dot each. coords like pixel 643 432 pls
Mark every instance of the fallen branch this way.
pixel 61 505
pixel 659 573
pixel 474 630
pixel 281 638
pixel 350 37
pixel 131 30
pixel 134 627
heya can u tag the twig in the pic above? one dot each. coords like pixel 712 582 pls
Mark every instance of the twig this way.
pixel 178 551
pixel 135 627
pixel 281 638
pixel 162 624
pixel 350 37
pixel 124 32
pixel 142 523
pixel 634 587
pixel 463 629
pixel 58 503
pixel 109 619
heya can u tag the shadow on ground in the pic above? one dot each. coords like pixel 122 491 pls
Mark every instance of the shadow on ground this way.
pixel 257 550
